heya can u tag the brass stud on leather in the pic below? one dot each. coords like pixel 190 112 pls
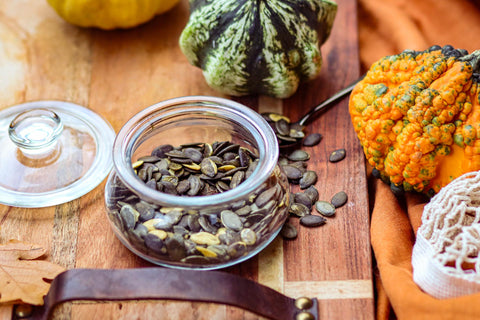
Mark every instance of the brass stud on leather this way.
pixel 23 310
pixel 303 303
pixel 304 316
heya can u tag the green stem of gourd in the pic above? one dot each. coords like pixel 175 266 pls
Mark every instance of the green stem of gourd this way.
pixel 474 59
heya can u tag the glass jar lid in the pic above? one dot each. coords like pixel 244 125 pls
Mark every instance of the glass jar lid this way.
pixel 52 152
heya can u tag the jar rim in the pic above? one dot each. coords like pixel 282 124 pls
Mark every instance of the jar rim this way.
pixel 262 133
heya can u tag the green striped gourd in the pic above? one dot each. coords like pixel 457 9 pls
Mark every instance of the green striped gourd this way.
pixel 263 47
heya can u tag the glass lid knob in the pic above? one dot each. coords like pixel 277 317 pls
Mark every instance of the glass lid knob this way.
pixel 35 129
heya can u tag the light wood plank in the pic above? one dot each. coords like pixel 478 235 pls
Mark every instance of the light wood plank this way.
pixel 330 290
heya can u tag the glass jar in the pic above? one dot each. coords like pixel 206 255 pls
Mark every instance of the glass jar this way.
pixel 234 216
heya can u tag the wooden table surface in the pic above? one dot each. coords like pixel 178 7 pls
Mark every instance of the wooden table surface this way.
pixel 118 73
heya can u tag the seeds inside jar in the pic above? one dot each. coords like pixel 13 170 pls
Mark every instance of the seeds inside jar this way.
pixel 204 236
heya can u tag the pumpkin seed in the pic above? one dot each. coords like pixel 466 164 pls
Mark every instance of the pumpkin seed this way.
pixel 193 223
pixel 339 199
pixel 164 222
pixel 244 157
pixel 137 164
pixel 159 233
pixel 237 178
pixel 195 185
pixel 175 247
pixel 299 210
pixel 163 165
pixel 161 150
pixel 282 127
pixel 299 155
pixel 312 193
pixel 292 172
pixel 206 252
pixel 145 210
pixel 176 154
pixel 308 178
pixel 230 220
pixel 206 225
pixel 193 154
pixel 325 208
pixel 337 155
pixel 237 249
pixel 150 224
pixel 149 159
pixel 154 243
pixel 208 167
pixel 254 218
pixel 129 216
pixel 275 117
pixel 296 131
pixel 244 210
pixel 175 166
pixel 204 238
pixel 289 231
pixel 312 139
pixel 300 165
pixel 142 174
pixel 196 259
pixel 248 236
pixel 183 186
pixel 207 150
pixel 265 197
pixel 312 221
pixel 303 198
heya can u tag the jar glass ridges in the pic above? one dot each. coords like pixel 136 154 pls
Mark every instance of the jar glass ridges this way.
pixel 232 221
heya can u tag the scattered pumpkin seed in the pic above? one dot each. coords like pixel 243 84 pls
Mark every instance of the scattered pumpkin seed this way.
pixel 282 127
pixel 312 193
pixel 325 208
pixel 292 172
pixel 303 198
pixel 308 179
pixel 299 210
pixel 312 139
pixel 339 199
pixel 312 221
pixel 337 155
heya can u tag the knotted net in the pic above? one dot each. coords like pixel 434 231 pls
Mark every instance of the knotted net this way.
pixel 445 256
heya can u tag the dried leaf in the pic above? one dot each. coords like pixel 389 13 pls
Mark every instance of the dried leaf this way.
pixel 21 277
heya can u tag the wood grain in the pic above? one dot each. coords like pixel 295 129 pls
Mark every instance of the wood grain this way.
pixel 118 73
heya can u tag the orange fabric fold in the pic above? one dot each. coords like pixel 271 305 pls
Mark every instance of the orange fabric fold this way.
pixel 393 226
pixel 388 27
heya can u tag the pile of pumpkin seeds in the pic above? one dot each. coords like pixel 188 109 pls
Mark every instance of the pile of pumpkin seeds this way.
pixel 206 236
pixel 295 166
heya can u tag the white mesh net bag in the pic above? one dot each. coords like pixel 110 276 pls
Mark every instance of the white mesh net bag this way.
pixel 445 256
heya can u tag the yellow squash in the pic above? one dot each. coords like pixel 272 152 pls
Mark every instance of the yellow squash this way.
pixel 110 14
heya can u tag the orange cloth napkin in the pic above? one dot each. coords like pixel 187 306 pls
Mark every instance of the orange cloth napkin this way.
pixel 388 27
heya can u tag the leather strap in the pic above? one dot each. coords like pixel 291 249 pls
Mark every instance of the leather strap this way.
pixel 172 284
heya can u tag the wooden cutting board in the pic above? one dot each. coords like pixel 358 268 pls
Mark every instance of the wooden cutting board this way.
pixel 118 73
